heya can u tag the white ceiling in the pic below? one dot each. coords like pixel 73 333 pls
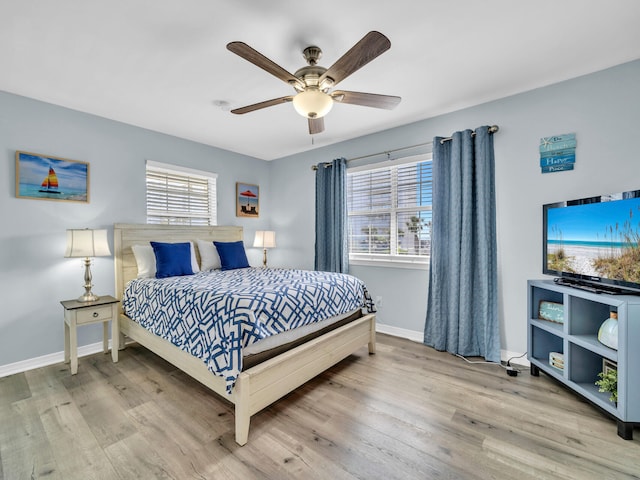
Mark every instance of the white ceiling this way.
pixel 163 64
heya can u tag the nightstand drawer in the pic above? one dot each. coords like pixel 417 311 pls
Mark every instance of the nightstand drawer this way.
pixel 97 314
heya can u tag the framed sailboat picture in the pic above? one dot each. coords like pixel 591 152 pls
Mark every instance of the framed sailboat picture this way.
pixel 45 177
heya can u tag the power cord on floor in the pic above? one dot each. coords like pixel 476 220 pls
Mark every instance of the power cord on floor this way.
pixel 511 371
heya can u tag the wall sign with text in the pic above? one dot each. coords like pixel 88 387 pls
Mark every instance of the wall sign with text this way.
pixel 558 153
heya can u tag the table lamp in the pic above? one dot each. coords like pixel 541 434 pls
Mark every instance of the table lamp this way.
pixel 264 239
pixel 87 244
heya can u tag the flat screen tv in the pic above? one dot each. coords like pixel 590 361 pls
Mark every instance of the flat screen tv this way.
pixel 594 243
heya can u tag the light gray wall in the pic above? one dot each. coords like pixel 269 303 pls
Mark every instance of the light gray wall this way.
pixel 34 276
pixel 601 108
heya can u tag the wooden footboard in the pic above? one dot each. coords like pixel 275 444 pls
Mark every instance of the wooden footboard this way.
pixel 263 384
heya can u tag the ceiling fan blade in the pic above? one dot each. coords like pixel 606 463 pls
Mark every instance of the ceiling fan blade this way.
pixel 369 47
pixel 245 51
pixel 260 105
pixel 387 102
pixel 316 125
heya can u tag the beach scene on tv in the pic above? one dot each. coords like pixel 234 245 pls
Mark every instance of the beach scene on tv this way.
pixel 597 239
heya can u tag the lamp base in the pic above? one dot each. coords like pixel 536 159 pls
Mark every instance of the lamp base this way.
pixel 88 297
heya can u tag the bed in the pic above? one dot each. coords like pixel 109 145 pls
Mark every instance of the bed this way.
pixel 261 384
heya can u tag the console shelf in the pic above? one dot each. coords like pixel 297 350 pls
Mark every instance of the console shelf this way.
pixel 576 338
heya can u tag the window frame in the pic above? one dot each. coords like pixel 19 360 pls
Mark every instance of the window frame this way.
pixel 392 260
pixel 159 168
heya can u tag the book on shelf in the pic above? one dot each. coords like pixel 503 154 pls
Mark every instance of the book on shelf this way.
pixel 556 360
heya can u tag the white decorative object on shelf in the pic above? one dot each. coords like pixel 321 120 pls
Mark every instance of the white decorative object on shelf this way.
pixel 608 333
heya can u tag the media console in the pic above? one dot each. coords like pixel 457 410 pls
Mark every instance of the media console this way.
pixel 576 339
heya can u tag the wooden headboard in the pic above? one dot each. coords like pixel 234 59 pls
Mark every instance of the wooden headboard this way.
pixel 126 235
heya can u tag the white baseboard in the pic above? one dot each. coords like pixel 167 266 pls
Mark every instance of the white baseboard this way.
pixel 46 360
pixel 58 357
pixel 515 357
pixel 419 337
pixel 400 332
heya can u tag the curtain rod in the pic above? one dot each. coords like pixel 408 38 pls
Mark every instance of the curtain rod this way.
pixel 492 129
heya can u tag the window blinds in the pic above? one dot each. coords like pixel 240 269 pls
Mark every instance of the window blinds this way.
pixel 389 209
pixel 180 197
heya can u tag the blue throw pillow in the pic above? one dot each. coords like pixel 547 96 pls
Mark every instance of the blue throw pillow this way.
pixel 172 259
pixel 232 255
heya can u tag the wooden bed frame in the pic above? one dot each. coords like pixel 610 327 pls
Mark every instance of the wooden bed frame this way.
pixel 259 386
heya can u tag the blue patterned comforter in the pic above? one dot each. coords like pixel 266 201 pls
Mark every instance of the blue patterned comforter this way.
pixel 213 315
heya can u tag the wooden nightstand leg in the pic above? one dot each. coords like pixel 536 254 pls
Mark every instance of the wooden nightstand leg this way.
pixel 105 337
pixel 66 342
pixel 115 339
pixel 73 347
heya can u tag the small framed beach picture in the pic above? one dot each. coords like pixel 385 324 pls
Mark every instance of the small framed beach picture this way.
pixel 247 200
pixel 43 177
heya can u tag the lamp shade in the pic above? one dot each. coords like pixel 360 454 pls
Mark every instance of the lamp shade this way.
pixel 265 239
pixel 87 243
pixel 312 103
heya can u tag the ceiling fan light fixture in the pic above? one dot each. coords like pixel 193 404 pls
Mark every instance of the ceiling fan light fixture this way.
pixel 312 103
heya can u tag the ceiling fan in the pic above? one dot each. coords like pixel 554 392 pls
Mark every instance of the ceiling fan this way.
pixel 313 83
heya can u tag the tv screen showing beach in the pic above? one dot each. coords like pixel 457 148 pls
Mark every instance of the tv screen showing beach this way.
pixel 600 239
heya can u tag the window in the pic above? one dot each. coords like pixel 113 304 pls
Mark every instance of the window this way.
pixel 180 196
pixel 389 210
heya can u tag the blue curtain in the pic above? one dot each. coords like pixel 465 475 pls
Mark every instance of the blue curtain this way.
pixel 332 253
pixel 462 312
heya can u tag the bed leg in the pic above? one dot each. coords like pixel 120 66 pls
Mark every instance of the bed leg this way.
pixel 241 391
pixel 372 338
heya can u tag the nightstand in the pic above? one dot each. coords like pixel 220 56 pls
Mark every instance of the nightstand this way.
pixel 85 313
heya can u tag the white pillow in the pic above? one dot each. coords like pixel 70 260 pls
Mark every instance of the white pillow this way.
pixel 209 258
pixel 146 260
pixel 194 263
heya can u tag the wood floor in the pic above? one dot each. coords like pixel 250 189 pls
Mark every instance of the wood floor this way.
pixel 407 412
